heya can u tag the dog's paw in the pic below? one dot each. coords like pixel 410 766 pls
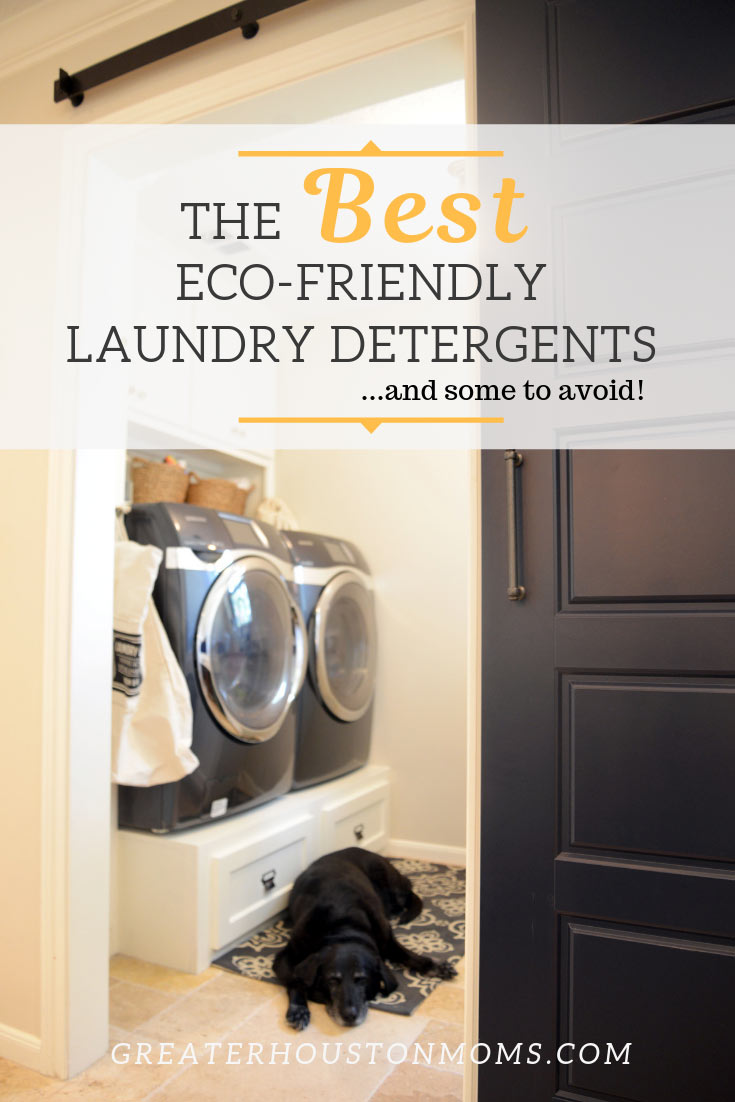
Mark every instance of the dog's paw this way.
pixel 444 970
pixel 298 1017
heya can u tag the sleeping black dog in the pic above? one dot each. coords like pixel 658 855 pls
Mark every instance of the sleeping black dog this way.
pixel 340 910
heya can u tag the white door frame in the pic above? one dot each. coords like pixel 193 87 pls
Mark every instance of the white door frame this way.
pixel 75 842
pixel 83 489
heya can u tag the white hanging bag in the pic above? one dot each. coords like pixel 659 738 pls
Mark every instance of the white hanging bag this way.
pixel 151 706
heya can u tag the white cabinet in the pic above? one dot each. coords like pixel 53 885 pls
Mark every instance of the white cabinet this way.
pixel 356 819
pixel 217 402
pixel 252 879
pixel 159 393
pixel 185 404
pixel 184 897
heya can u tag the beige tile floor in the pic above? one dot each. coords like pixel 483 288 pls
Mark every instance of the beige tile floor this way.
pixel 193 1015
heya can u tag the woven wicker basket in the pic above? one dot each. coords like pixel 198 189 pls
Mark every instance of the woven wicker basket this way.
pixel 158 481
pixel 241 500
pixel 215 493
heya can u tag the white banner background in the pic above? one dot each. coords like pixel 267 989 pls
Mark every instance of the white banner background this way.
pixel 635 227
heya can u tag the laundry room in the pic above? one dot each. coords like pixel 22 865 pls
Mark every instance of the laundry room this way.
pixel 324 635
pixel 294 658
pixel 320 606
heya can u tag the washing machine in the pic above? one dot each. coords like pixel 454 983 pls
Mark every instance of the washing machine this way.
pixel 335 709
pixel 226 597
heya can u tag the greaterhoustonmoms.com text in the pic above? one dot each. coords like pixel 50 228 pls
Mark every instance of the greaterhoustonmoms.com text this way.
pixel 369 1052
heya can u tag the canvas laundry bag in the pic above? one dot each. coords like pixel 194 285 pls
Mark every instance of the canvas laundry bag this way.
pixel 151 707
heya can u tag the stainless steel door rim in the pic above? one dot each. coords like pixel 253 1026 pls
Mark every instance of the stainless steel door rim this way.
pixel 294 657
pixel 345 586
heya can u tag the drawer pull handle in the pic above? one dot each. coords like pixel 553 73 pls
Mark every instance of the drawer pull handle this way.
pixel 359 831
pixel 268 880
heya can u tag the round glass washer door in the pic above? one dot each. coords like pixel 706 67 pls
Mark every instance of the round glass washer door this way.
pixel 345 646
pixel 250 649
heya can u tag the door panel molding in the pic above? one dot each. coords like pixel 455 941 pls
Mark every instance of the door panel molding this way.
pixel 644 562
pixel 594 52
pixel 682 897
pixel 691 643
pixel 622 740
pixel 659 977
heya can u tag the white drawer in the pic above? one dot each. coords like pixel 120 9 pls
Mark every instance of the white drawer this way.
pixel 252 881
pixel 359 819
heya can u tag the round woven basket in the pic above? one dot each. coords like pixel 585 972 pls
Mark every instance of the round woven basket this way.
pixel 241 500
pixel 214 493
pixel 158 481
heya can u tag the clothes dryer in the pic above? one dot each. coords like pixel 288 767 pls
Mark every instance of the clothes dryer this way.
pixel 335 709
pixel 225 595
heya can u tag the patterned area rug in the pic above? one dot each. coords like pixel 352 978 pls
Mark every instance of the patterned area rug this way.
pixel 438 930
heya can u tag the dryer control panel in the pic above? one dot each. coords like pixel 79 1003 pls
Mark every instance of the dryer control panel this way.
pixel 310 549
pixel 169 524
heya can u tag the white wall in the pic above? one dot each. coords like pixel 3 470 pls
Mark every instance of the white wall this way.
pixel 409 512
pixel 24 478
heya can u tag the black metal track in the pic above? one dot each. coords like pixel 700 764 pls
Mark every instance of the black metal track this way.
pixel 243 17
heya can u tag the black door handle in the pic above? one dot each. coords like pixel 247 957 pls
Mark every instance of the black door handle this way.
pixel 513 460
pixel 268 880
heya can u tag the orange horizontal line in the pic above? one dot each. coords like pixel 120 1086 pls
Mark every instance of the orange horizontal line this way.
pixel 382 420
pixel 369 153
pixel 371 423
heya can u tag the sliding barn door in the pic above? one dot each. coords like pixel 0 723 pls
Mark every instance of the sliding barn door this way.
pixel 608 693
pixel 608 832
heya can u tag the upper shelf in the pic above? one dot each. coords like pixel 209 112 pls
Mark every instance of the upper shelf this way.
pixel 182 406
pixel 200 450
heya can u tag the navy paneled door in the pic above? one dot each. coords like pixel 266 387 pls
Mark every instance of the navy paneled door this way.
pixel 608 818
pixel 608 729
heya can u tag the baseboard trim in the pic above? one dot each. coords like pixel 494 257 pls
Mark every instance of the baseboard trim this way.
pixel 21 1048
pixel 426 851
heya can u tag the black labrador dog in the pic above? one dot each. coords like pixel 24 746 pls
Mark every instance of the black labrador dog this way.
pixel 340 910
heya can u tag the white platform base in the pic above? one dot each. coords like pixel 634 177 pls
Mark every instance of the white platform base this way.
pixel 184 897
